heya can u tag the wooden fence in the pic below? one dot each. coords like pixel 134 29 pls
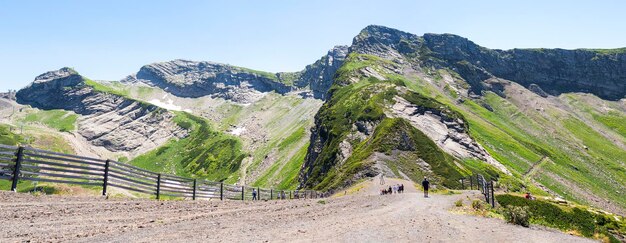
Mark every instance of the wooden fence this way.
pixel 30 164
pixel 480 183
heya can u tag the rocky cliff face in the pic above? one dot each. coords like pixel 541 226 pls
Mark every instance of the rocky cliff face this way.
pixel 555 71
pixel 107 120
pixel 195 79
pixel 318 77
pixel 185 78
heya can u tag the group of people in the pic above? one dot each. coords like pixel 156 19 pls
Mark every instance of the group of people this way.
pixel 393 189
pixel 399 188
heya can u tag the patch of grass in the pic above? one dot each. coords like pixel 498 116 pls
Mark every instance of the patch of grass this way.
pixel 61 120
pixel 292 139
pixel 568 219
pixel 459 203
pixel 106 89
pixel 8 137
pixel 613 120
pixel 205 153
pixel 608 51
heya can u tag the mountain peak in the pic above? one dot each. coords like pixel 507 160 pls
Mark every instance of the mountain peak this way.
pixel 56 74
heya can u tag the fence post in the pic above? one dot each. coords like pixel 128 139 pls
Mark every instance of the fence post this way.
pixel 271 194
pixel 158 192
pixel 105 183
pixel 290 196
pixel 195 186
pixel 222 191
pixel 18 167
pixel 258 197
pixel 493 200
pixel 242 193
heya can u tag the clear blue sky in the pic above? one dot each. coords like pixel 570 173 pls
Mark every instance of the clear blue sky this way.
pixel 111 39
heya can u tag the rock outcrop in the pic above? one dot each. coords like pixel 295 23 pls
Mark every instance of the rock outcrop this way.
pixel 318 77
pixel 185 78
pixel 108 120
pixel 555 71
pixel 448 133
pixel 193 79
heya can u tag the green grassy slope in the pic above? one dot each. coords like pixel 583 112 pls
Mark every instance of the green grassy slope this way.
pixel 365 101
pixel 205 153
pixel 520 136
pixel 61 120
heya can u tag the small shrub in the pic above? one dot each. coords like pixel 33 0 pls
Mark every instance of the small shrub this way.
pixel 321 202
pixel 478 205
pixel 459 203
pixel 517 215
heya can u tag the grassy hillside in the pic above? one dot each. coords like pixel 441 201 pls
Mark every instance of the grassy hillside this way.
pixel 205 153
pixel 275 131
pixel 573 145
pixel 360 99
pixel 61 120
pixel 8 136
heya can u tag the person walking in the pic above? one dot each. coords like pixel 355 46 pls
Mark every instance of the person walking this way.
pixel 254 195
pixel 425 185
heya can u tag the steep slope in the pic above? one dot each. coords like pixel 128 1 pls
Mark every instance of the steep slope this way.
pixel 110 119
pixel 517 109
pixel 107 120
pixel 270 113
pixel 373 124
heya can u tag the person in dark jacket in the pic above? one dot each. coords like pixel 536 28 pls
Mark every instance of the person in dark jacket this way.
pixel 425 185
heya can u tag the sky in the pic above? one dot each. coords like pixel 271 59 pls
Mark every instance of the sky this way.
pixel 108 40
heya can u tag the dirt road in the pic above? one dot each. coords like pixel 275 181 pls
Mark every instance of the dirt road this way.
pixel 357 218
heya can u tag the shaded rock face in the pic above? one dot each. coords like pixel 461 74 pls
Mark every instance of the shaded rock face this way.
pixel 554 71
pixel 107 120
pixel 319 75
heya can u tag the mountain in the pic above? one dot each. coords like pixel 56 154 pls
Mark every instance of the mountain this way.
pixel 110 121
pixel 196 79
pixel 548 121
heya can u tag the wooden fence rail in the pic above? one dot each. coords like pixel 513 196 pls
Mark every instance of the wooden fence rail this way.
pixel 478 182
pixel 30 164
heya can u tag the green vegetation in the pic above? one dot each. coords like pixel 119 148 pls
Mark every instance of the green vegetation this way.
pixel 355 62
pixel 364 102
pixel 608 51
pixel 8 137
pixel 204 153
pixel 517 215
pixel 61 120
pixel 106 89
pixel 613 120
pixel 565 218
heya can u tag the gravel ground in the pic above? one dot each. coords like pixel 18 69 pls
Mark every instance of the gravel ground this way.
pixel 357 218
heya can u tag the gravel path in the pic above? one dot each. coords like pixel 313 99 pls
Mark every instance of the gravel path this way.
pixel 359 218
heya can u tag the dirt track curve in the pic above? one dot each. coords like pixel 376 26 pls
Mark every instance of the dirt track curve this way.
pixel 357 218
